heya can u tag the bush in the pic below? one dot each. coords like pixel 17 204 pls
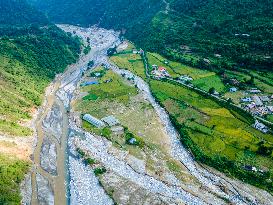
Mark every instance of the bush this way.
pixel 90 161
pixel 80 152
pixel 106 132
pixel 100 170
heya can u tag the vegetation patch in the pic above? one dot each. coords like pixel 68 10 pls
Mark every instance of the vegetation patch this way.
pixel 12 172
pixel 131 62
pixel 99 171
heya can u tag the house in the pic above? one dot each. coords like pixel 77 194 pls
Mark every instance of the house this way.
pixel 257 100
pixel 270 108
pixel 90 83
pixel 108 80
pixel 132 141
pixel 157 73
pixel 94 121
pixel 135 51
pixel 260 126
pixel 217 55
pixel 246 99
pixel 97 74
pixel 154 66
pixel 216 93
pixel 110 120
pixel 233 90
pixel 162 69
pixel 185 78
pixel 264 98
pixel 234 81
pixel 250 106
pixel 254 91
pixel 262 111
pixel 206 60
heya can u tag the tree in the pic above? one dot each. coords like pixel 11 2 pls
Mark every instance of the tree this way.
pixel 112 51
pixel 212 90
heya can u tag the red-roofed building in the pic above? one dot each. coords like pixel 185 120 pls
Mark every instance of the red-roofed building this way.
pixel 162 69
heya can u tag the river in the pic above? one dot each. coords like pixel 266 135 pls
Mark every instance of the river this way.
pixel 59 177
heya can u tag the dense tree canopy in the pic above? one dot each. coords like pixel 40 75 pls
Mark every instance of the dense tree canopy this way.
pixel 18 12
pixel 229 33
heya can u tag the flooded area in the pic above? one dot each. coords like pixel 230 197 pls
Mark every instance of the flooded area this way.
pixel 60 177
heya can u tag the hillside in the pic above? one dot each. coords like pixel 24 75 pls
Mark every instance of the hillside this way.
pixel 229 33
pixel 32 51
pixel 18 12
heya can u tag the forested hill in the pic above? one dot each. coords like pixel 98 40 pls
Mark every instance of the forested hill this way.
pixel 230 33
pixel 18 12
pixel 32 51
pixel 115 14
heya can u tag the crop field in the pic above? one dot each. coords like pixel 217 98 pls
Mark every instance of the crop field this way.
pixel 203 79
pixel 195 73
pixel 131 62
pixel 269 118
pixel 208 82
pixel 214 129
pixel 134 113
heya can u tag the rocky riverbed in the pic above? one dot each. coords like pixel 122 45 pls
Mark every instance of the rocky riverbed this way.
pixel 59 176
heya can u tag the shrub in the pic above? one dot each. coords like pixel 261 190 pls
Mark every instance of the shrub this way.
pixel 100 170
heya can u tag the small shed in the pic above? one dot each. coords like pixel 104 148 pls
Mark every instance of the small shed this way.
pixel 257 100
pixel 94 121
pixel 132 141
pixel 90 83
pixel 246 99
pixel 264 98
pixel 110 120
pixel 233 90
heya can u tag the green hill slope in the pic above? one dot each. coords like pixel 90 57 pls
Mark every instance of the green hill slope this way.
pixel 18 12
pixel 32 51
pixel 30 58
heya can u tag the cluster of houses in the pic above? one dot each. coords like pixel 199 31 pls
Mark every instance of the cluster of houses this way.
pixel 260 126
pixel 159 71
pixel 259 105
pixel 140 51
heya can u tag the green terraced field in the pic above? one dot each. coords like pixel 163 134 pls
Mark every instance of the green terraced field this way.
pixel 131 62
pixel 213 129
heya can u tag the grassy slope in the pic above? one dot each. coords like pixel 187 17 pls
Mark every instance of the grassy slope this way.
pixel 12 172
pixel 32 51
pixel 29 63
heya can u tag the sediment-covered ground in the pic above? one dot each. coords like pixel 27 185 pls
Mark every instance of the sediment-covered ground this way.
pixel 59 175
